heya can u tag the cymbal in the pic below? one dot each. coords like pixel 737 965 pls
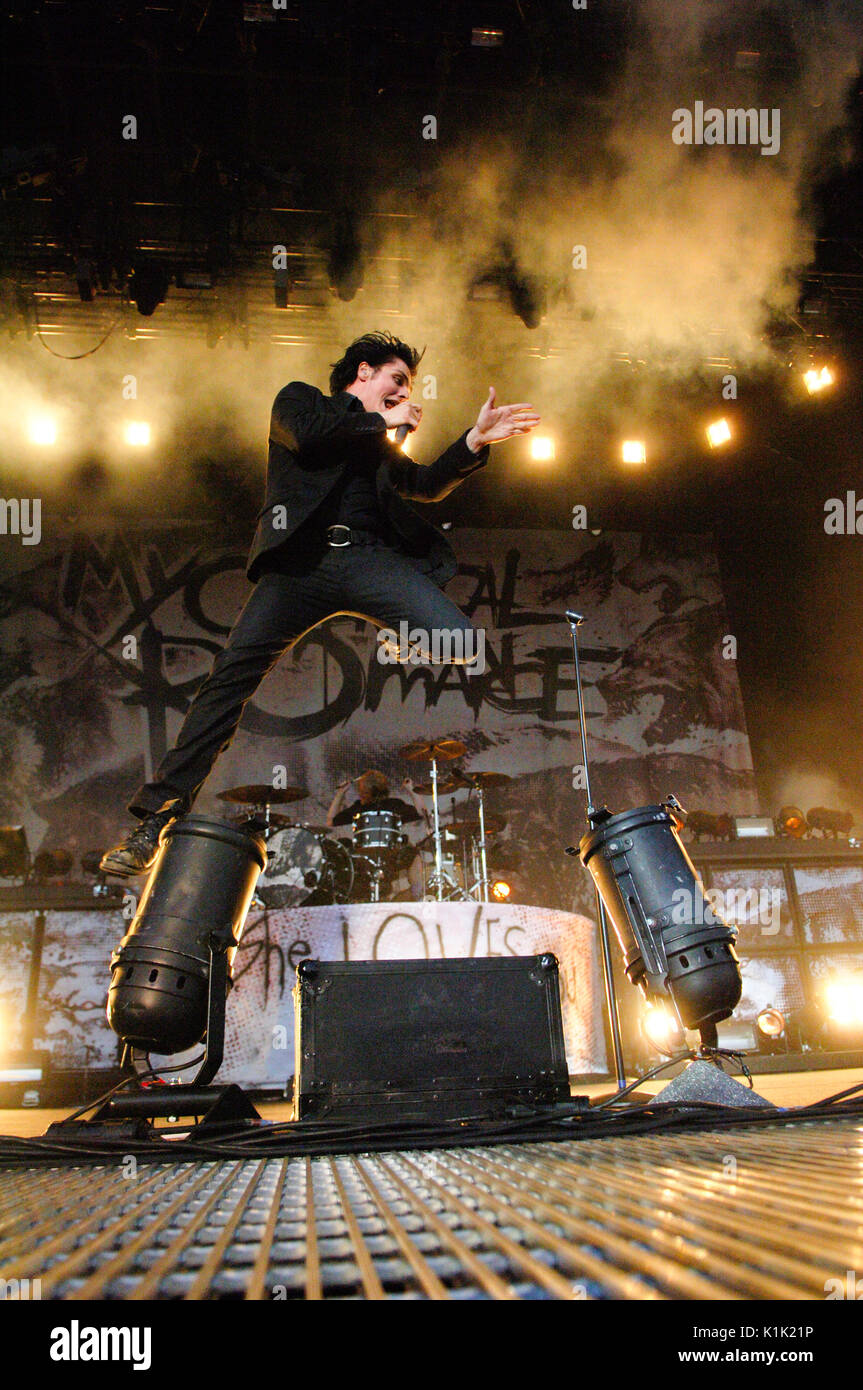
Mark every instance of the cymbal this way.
pixel 487 779
pixel 421 750
pixel 453 783
pixel 262 794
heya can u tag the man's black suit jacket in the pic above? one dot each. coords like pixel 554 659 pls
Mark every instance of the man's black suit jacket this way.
pixel 313 438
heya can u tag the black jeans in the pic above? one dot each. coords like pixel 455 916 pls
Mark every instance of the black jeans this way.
pixel 371 581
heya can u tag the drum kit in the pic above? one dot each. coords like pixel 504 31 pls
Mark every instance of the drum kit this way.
pixel 309 865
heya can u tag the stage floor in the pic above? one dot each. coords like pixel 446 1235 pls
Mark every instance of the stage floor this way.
pixel 773 1212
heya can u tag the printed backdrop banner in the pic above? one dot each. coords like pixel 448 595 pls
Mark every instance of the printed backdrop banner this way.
pixel 260 1037
pixel 72 1028
pixel 107 632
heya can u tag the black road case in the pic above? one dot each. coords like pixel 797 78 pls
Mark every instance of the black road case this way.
pixel 427 1039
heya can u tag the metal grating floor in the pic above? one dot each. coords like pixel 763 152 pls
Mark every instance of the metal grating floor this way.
pixel 769 1214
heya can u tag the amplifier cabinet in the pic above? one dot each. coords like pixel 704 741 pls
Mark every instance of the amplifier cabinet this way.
pixel 409 1040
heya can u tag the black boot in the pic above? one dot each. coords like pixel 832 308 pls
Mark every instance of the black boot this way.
pixel 139 850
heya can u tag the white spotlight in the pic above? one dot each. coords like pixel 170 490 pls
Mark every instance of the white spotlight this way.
pixel 42 430
pixel 661 1028
pixel 843 996
pixel 718 432
pixel 634 451
pixel 817 378
pixel 138 433
pixel 542 448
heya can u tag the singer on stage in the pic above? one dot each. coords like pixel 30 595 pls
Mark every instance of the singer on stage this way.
pixel 335 535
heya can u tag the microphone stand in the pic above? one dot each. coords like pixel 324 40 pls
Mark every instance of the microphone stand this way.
pixel 575 620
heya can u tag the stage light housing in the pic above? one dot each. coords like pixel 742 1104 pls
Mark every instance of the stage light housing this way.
pixel 753 827
pixel 148 286
pixel 791 822
pixel 84 276
pixel 281 288
pixel 633 451
pixel 771 1022
pixel 52 863
pixel 192 910
pixel 42 430
pixel 718 433
pixel 676 948
pixel 345 257
pixel 14 854
pixel 542 448
pixel 500 890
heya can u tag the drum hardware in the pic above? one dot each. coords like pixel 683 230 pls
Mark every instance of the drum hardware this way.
pixel 265 824
pixel 444 750
pixel 478 782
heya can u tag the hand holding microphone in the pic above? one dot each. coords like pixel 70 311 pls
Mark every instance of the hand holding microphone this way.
pixel 404 418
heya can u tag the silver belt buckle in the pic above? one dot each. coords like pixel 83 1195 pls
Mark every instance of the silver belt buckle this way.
pixel 338 545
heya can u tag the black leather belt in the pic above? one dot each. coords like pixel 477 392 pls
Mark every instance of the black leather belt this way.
pixel 339 536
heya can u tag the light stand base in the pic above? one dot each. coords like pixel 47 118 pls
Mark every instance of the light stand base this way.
pixel 130 1115
pixel 703 1081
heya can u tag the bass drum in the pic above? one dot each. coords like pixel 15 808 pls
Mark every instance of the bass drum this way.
pixel 305 870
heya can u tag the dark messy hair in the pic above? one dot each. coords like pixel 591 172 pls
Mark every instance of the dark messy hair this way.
pixel 376 349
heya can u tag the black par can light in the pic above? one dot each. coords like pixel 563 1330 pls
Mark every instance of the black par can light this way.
pixel 673 942
pixel 195 902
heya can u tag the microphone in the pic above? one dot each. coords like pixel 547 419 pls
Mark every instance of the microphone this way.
pixel 402 432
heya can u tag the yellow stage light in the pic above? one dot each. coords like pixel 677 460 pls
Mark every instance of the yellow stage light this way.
pixel 42 430
pixel 817 378
pixel 843 997
pixel 771 1023
pixel 138 433
pixel 634 451
pixel 661 1028
pixel 500 890
pixel 791 821
pixel 542 448
pixel 718 432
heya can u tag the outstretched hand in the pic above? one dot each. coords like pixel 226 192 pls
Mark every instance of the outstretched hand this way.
pixel 497 422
